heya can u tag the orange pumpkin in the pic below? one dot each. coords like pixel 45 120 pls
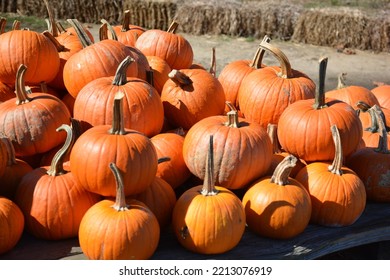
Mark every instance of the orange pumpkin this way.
pixel 11 224
pixel 128 33
pixel 382 93
pixel 161 70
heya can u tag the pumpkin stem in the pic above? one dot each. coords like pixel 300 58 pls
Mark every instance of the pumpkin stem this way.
pixel 20 89
pixel 232 116
pixel 57 163
pixel 173 27
pixel 16 25
pixel 259 55
pixel 319 98
pixel 337 163
pixel 60 27
pixel 283 170
pixel 213 64
pixel 3 22
pixel 364 107
pixel 118 126
pixel 84 39
pixel 209 180
pixel 11 160
pixel 109 31
pixel 76 128
pixel 50 36
pixel 120 200
pixel 382 145
pixel 163 159
pixel 126 21
pixel 341 81
pixel 51 21
pixel 179 78
pixel 120 78
pixel 272 133
pixel 284 62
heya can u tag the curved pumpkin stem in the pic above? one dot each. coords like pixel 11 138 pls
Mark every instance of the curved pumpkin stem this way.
pixel 118 126
pixel 120 77
pixel 11 160
pixel 57 163
pixel 108 30
pixel 284 62
pixel 51 21
pixel 382 145
pixel 173 27
pixel 272 133
pixel 319 98
pixel 20 89
pixel 337 164
pixel 51 37
pixel 76 128
pixel 84 39
pixel 213 64
pixel 341 81
pixel 232 116
pixel 120 200
pixel 364 107
pixel 16 25
pixel 179 78
pixel 259 55
pixel 283 170
pixel 209 178
pixel 126 21
pixel 3 22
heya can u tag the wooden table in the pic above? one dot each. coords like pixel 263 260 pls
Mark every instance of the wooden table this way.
pixel 316 241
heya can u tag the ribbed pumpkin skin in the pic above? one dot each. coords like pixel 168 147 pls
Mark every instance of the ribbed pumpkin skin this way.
pixel 95 149
pixel 11 224
pixel 382 94
pixel 142 106
pixel 98 60
pixel 6 92
pixel 263 95
pixel 53 206
pixel 128 37
pixel 276 211
pixel 161 70
pixel 337 200
pixel 373 169
pixel 108 234
pixel 173 48
pixel 174 171
pixel 240 154
pixel 32 126
pixel 208 224
pixel 304 131
pixel 352 94
pixel 186 105
pixel 32 49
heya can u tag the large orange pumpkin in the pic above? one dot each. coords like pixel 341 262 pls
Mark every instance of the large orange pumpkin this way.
pixel 120 229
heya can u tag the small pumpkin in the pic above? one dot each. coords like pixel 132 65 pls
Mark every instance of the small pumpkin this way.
pixel 124 229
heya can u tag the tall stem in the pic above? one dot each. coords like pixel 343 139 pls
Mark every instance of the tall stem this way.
pixel 110 31
pixel 120 77
pixel 337 164
pixel 173 27
pixel 3 22
pixel 83 36
pixel 320 93
pixel 272 133
pixel 20 89
pixel 283 170
pixel 382 145
pixel 341 81
pixel 126 21
pixel 213 64
pixel 259 55
pixel 209 178
pixel 284 62
pixel 51 21
pixel 118 124
pixel 51 37
pixel 120 200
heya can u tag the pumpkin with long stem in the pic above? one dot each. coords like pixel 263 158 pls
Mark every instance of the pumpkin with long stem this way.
pixel 11 224
pixel 266 92
pixel 337 193
pixel 278 206
pixel 130 150
pixel 142 106
pixel 303 128
pixel 52 201
pixel 243 150
pixel 208 219
pixel 128 33
pixel 124 229
pixel 372 165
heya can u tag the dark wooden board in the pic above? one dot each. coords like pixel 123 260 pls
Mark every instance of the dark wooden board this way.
pixel 316 241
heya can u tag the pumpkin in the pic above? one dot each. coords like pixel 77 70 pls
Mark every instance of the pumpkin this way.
pixel 191 95
pixel 11 224
pixel 14 170
pixel 52 201
pixel 233 74
pixel 30 120
pixel 94 61
pixel 278 206
pixel 131 151
pixel 266 92
pixel 208 219
pixel 120 229
pixel 352 94
pixel 6 92
pixel 382 94
pixel 372 165
pixel 128 33
pixel 174 171
pixel 337 193
pixel 168 45
pixel 142 106
pixel 160 69
pixel 243 150
pixel 303 128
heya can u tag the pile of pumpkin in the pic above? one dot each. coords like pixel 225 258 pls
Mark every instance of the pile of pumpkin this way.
pixel 98 140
